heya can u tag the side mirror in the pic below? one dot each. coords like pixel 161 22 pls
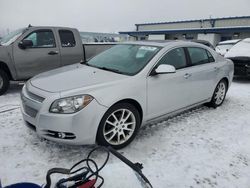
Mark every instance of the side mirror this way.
pixel 163 69
pixel 25 44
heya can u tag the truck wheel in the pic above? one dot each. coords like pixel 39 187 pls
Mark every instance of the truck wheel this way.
pixel 119 126
pixel 4 82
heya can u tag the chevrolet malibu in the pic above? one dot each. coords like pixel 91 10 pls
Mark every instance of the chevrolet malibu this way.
pixel 108 98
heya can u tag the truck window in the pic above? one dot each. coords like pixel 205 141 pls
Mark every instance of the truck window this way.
pixel 42 39
pixel 67 38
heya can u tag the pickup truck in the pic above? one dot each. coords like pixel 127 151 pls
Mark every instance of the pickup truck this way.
pixel 29 51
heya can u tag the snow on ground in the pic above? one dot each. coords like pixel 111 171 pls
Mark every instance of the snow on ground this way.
pixel 203 147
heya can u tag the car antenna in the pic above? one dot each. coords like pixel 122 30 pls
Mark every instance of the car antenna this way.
pixel 29 25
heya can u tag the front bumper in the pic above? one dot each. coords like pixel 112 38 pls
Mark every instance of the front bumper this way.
pixel 241 70
pixel 77 129
pixel 241 66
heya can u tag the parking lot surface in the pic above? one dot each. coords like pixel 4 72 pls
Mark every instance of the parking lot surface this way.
pixel 202 147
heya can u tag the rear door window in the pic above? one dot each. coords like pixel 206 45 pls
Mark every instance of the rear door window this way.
pixel 67 38
pixel 199 56
pixel 210 57
pixel 175 57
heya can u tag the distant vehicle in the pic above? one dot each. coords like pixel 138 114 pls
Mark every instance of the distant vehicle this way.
pixel 206 43
pixel 27 52
pixel 240 55
pixel 223 47
pixel 108 98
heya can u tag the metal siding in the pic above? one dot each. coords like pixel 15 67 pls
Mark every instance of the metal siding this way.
pixel 186 21
pixel 169 26
pixel 207 24
pixel 232 23
pixel 196 24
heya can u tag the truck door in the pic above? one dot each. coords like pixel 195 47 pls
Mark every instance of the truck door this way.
pixel 41 56
pixel 70 46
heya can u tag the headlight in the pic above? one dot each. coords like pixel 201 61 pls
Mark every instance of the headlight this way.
pixel 70 105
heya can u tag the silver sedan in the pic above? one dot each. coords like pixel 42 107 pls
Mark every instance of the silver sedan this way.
pixel 108 98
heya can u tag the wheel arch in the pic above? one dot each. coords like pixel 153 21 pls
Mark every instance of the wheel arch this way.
pixel 227 81
pixel 5 68
pixel 135 103
pixel 99 136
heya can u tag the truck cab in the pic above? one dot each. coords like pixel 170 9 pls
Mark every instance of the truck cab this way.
pixel 29 51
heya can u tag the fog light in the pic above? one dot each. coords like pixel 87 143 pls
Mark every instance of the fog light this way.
pixel 61 135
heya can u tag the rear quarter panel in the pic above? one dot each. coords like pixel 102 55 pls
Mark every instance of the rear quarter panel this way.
pixel 226 69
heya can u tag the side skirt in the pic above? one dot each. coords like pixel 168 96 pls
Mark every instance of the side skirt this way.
pixel 174 113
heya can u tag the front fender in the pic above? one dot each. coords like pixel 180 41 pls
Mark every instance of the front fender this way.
pixel 6 58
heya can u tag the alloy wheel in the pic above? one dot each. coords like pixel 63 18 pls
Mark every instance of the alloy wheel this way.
pixel 220 93
pixel 119 127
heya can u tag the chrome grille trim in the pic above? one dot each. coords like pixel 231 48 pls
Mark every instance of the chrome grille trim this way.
pixel 34 96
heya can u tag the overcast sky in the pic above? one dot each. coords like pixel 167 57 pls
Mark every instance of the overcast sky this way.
pixel 112 15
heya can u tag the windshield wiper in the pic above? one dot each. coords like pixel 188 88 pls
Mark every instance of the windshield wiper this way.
pixel 103 68
pixel 112 70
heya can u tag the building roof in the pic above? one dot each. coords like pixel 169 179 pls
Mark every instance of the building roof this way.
pixel 196 20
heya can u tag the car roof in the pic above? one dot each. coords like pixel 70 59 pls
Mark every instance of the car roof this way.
pixel 159 43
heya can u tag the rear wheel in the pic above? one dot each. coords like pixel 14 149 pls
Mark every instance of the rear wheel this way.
pixel 119 126
pixel 4 82
pixel 219 94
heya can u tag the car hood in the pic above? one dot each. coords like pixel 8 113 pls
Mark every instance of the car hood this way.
pixel 73 77
pixel 241 49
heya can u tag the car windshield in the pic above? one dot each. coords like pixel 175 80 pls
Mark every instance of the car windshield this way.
pixel 126 59
pixel 11 37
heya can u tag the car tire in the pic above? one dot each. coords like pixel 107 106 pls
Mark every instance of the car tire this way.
pixel 4 82
pixel 119 126
pixel 219 94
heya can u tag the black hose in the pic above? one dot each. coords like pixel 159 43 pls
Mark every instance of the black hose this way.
pixel 89 172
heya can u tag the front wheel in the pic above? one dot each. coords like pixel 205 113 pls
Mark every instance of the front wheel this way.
pixel 219 94
pixel 119 126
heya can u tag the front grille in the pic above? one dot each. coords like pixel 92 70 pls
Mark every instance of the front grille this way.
pixel 34 96
pixel 241 66
pixel 30 111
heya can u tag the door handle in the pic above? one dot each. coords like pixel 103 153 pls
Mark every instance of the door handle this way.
pixel 187 75
pixel 53 52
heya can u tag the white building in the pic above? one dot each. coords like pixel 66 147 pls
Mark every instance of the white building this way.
pixel 213 30
pixel 88 37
